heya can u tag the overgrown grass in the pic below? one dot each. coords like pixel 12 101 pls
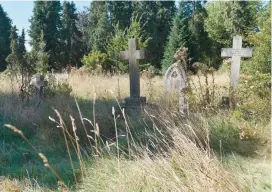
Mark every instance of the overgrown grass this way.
pixel 162 150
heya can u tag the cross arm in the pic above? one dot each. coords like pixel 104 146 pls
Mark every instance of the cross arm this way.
pixel 124 55
pixel 242 52
pixel 140 54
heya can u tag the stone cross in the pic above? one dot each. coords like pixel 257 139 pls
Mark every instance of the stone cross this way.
pixel 39 84
pixel 133 55
pixel 236 52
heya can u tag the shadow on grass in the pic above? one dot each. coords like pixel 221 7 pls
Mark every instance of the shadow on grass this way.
pixel 18 160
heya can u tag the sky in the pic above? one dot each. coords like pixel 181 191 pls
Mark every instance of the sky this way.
pixel 21 11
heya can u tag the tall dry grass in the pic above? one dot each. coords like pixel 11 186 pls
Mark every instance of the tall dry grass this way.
pixel 163 151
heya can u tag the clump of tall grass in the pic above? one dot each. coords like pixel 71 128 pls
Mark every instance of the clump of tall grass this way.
pixel 172 153
pixel 182 161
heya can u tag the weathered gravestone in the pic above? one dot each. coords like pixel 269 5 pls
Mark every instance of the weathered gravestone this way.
pixel 133 55
pixel 39 84
pixel 236 52
pixel 175 80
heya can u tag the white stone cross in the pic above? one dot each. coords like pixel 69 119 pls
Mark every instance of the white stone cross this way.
pixel 133 55
pixel 236 52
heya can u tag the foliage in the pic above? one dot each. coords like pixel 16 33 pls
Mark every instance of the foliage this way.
pixel 261 42
pixel 156 21
pixel 56 88
pixel 176 39
pixel 96 60
pixel 5 28
pixel 120 13
pixel 71 36
pixel 41 56
pixel 46 18
pixel 226 19
pixel 254 94
pixel 119 42
pixel 83 26
pixel 13 58
pixel 98 26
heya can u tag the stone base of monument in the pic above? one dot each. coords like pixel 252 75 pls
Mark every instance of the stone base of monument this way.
pixel 135 104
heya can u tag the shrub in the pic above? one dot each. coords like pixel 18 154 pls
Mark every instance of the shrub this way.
pixel 55 87
pixel 97 61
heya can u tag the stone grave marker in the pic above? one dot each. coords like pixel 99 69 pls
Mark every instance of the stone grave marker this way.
pixel 236 52
pixel 175 83
pixel 39 83
pixel 133 56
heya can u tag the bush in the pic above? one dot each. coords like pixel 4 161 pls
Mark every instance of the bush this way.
pixel 55 87
pixel 96 61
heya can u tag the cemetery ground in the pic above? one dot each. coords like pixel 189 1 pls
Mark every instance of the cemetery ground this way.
pixel 210 149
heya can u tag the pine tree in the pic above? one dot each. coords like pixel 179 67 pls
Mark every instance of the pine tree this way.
pixel 46 18
pixel 99 28
pixel 5 28
pixel 178 37
pixel 71 35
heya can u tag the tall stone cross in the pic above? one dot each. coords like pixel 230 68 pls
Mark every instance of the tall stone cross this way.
pixel 236 52
pixel 133 55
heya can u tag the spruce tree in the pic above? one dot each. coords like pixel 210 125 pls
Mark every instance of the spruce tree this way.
pixel 42 57
pixel 46 18
pixel 83 27
pixel 5 28
pixel 13 59
pixel 178 37
pixel 99 28
pixel 71 35
pixel 157 18
pixel 21 43
pixel 120 13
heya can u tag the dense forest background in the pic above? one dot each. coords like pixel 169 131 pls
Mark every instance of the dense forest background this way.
pixel 60 36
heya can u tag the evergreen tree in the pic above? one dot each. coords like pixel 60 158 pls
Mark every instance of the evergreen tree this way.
pixel 13 59
pixel 178 37
pixel 83 27
pixel 164 18
pixel 120 13
pixel 157 18
pixel 46 18
pixel 41 56
pixel 99 26
pixel 71 35
pixel 119 42
pixel 21 43
pixel 5 28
